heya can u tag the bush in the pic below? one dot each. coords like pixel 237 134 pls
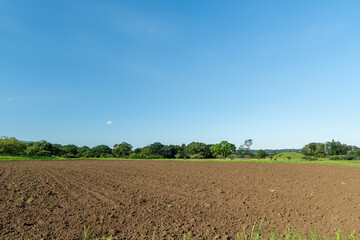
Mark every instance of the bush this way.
pixel 335 158
pixel 197 156
pixel 233 156
pixel 309 158
pixel 43 153
pixel 350 157
pixel 135 156
pixel 69 155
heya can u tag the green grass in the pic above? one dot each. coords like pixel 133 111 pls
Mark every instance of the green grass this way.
pixel 26 158
pixel 350 163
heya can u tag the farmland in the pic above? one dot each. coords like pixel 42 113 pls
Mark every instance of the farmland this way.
pixel 168 199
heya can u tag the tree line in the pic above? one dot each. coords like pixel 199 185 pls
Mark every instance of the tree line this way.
pixel 333 149
pixel 10 146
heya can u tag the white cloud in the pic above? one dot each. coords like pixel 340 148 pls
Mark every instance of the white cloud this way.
pixel 109 123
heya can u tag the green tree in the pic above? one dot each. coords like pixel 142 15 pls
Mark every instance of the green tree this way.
pixel 11 146
pixel 145 152
pixel 199 149
pixel 336 148
pixel 223 149
pixel 245 148
pixel 40 148
pixel 84 151
pixel 262 154
pixel 157 149
pixel 122 150
pixel 101 151
pixel 69 151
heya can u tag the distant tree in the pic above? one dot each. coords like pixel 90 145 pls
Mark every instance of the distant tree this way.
pixel 198 148
pixel 181 151
pixel 157 149
pixel 223 149
pixel 69 151
pixel 313 149
pixel 248 144
pixel 169 151
pixel 145 152
pixel 262 154
pixel 84 151
pixel 245 148
pixel 41 148
pixel 11 146
pixel 57 150
pixel 137 150
pixel 122 150
pixel 336 148
pixel 101 151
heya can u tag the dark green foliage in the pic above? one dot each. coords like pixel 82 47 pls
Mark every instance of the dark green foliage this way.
pixel 157 148
pixel 11 146
pixel 198 148
pixel 101 151
pixel 42 148
pixel 122 150
pixel 223 149
pixel 194 150
pixel 84 151
pixel 262 154
pixel 336 148
pixel 137 150
pixel 43 153
pixel 328 148
pixel 309 158
pixel 314 149
pixel 69 151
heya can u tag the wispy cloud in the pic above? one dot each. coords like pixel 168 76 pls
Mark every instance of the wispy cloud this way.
pixel 109 123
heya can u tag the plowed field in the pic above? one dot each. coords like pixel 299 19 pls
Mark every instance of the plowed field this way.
pixel 142 199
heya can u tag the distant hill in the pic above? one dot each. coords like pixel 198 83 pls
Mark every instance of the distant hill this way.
pixel 276 151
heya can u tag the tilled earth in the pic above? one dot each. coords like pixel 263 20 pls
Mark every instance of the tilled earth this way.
pixel 164 199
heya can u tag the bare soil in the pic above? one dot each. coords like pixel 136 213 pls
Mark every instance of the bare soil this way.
pixel 142 199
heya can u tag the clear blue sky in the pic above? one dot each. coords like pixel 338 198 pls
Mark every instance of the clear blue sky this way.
pixel 284 73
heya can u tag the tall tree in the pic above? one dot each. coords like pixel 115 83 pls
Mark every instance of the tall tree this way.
pixel 245 148
pixel 223 149
pixel 122 149
pixel 101 151
pixel 11 146
pixel 198 148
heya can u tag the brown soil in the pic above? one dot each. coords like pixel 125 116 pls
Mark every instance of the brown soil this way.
pixel 141 199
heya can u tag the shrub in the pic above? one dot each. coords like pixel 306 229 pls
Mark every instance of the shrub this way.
pixel 309 158
pixel 135 156
pixel 335 158
pixel 197 156
pixel 43 153
pixel 350 157
pixel 69 155
pixel 233 156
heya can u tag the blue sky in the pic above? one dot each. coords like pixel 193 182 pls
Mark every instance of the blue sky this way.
pixel 283 73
